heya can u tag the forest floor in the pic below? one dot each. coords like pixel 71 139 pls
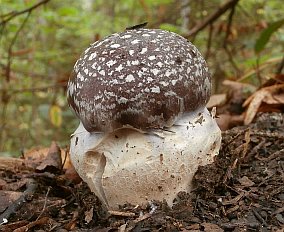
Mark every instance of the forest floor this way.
pixel 243 190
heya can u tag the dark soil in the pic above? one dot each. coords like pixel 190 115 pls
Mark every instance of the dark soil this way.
pixel 243 190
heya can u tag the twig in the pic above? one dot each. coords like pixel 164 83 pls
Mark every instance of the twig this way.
pixel 229 25
pixel 256 148
pixel 235 200
pixel 65 158
pixel 228 30
pixel 259 217
pixel 209 41
pixel 238 133
pixel 37 89
pixel 213 17
pixel 45 202
pixel 268 134
pixel 280 67
pixel 123 214
pixel 230 226
pixel 16 205
pixel 13 14
pixel 272 156
pixel 13 225
pixel 9 62
pixel 41 221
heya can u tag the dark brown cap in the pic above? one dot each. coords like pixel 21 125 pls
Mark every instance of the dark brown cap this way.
pixel 145 78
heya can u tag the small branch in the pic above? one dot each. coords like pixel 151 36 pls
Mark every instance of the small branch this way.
pixel 228 30
pixel 8 67
pixel 37 89
pixel 16 205
pixel 41 221
pixel 13 14
pixel 229 25
pixel 45 202
pixel 213 17
pixel 280 67
pixel 209 42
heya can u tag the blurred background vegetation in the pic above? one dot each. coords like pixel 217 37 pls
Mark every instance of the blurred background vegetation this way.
pixel 40 40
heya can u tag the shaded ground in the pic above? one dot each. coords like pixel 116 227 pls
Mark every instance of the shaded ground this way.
pixel 242 191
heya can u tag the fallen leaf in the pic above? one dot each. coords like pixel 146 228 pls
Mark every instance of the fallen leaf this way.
pixel 89 215
pixel 217 100
pixel 246 182
pixel 52 162
pixel 269 95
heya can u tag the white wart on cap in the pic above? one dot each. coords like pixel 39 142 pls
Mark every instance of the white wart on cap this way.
pixel 145 78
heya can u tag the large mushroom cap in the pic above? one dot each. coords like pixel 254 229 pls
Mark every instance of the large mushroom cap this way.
pixel 145 78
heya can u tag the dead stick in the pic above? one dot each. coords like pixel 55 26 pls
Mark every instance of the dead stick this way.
pixel 259 217
pixel 45 202
pixel 123 214
pixel 16 205
pixel 211 18
pixel 41 221
pixel 16 13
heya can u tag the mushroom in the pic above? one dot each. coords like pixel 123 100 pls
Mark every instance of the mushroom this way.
pixel 144 129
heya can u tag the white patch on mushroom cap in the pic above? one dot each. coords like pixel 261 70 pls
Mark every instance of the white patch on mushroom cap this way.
pixel 122 100
pixel 147 90
pixel 155 71
pixel 92 56
pixel 126 36
pixel 136 41
pixel 129 78
pixel 111 63
pixel 168 73
pixel 174 82
pixel 170 93
pixel 115 45
pixel 86 71
pixel 94 65
pixel 160 64
pixel 135 62
pixel 149 79
pixel 119 68
pixel 163 83
pixel 144 50
pixel 81 77
pixel 155 89
pixel 102 72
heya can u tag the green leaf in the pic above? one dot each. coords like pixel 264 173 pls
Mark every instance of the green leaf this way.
pixel 157 2
pixel 266 34
pixel 55 115
pixel 68 11
pixel 169 27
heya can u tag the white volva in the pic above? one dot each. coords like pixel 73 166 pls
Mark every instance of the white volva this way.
pixel 133 166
